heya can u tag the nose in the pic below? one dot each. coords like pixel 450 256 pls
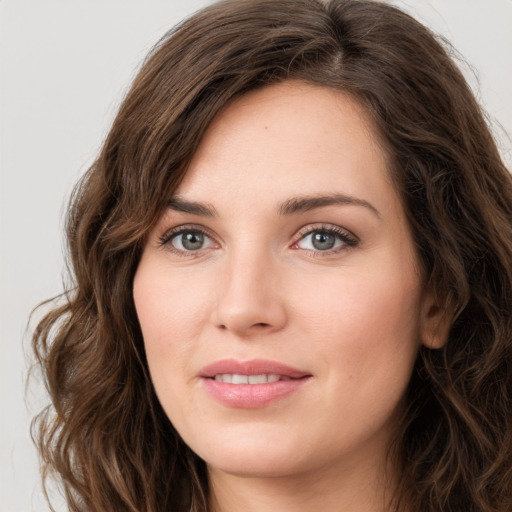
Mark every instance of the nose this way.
pixel 250 298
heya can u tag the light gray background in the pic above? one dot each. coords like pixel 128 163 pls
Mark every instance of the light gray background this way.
pixel 65 65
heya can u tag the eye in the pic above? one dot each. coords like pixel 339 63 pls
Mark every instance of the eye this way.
pixel 190 241
pixel 325 239
pixel 186 240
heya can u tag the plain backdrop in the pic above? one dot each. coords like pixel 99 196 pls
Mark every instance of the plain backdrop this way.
pixel 65 66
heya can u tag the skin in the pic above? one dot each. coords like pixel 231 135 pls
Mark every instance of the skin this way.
pixel 353 317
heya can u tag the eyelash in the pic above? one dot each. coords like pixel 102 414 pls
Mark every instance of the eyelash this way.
pixel 166 239
pixel 348 239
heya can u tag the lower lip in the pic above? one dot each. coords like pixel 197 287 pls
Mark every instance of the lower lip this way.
pixel 251 396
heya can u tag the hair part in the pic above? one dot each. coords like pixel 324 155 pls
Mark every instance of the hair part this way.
pixel 105 434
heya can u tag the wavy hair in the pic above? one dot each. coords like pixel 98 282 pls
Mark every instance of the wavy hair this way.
pixel 105 436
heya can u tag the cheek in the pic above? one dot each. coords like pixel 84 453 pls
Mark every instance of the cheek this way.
pixel 359 300
pixel 364 339
pixel 368 322
pixel 166 302
pixel 169 310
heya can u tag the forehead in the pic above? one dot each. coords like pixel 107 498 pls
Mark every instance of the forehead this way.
pixel 291 138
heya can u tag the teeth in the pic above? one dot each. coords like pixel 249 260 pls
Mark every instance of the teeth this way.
pixel 240 379
pixel 257 379
pixel 235 378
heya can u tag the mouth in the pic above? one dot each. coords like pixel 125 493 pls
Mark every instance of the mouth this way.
pixel 255 371
pixel 237 378
pixel 251 384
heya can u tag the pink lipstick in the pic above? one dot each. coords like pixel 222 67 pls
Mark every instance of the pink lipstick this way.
pixel 251 384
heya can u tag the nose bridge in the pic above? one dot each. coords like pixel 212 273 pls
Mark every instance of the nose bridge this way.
pixel 249 300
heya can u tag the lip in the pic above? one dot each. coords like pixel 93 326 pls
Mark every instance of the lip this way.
pixel 251 396
pixel 252 367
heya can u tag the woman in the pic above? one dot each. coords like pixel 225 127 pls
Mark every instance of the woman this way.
pixel 293 285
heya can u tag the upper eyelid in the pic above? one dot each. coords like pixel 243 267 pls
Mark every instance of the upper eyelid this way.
pixel 168 234
pixel 324 226
pixel 348 239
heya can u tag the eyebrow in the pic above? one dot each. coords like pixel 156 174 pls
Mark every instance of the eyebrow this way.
pixel 182 205
pixel 307 203
pixel 291 206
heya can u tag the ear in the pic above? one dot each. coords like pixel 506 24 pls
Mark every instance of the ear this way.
pixel 437 316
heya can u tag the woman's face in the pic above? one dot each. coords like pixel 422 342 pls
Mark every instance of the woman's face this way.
pixel 279 295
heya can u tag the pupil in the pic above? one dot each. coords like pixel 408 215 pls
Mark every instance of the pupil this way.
pixel 323 241
pixel 192 241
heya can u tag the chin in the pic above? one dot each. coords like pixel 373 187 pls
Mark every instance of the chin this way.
pixel 247 456
pixel 255 467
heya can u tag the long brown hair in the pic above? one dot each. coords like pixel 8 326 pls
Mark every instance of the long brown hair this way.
pixel 105 436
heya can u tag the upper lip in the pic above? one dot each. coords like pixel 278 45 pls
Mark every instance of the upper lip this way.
pixel 252 367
